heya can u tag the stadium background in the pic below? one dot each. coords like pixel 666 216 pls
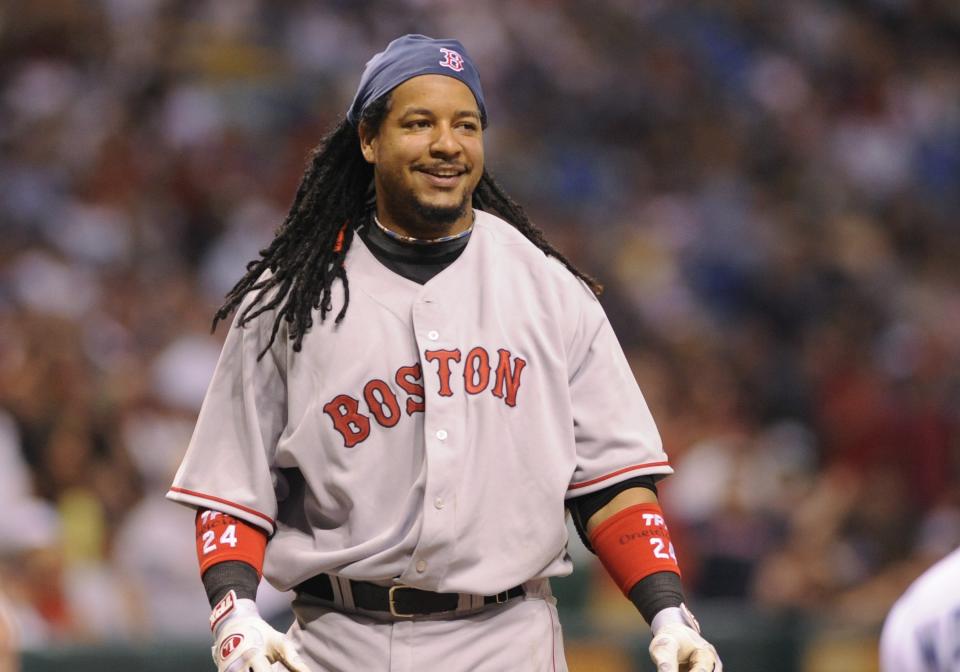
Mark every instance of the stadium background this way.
pixel 768 190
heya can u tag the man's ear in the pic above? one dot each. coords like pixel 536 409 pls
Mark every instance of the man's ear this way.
pixel 368 141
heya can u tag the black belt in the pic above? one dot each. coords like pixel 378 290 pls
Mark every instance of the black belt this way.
pixel 399 601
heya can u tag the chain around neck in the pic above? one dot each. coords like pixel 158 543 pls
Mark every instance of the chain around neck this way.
pixel 421 241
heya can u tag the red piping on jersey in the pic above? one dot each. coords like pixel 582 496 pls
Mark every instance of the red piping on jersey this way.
pixel 617 473
pixel 227 502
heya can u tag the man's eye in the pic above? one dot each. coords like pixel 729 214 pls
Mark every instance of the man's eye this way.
pixel 418 123
pixel 469 126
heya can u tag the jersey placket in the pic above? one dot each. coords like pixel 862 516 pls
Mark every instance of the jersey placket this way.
pixel 443 441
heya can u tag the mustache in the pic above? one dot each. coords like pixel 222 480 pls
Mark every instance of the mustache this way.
pixel 458 167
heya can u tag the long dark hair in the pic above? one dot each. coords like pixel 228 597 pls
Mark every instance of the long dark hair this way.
pixel 307 252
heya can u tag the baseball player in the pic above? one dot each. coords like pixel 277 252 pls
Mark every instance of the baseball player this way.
pixel 922 631
pixel 415 389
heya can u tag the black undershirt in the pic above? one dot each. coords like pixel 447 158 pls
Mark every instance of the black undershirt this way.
pixel 420 263
pixel 414 261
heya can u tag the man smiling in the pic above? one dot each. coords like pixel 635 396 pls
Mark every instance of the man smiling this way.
pixel 428 159
pixel 405 466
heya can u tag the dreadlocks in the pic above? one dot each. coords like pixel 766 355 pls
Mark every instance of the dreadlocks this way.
pixel 308 250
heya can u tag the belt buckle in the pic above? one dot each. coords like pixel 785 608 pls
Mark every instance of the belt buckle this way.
pixel 393 606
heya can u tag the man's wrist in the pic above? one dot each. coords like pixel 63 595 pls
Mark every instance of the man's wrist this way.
pixel 234 575
pixel 681 615
pixel 231 607
pixel 656 592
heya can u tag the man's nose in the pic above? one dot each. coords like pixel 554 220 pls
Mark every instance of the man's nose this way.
pixel 445 142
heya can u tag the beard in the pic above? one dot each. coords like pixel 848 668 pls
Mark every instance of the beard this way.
pixel 420 217
pixel 436 218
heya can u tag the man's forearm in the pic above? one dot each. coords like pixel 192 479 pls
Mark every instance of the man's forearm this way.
pixel 620 502
pixel 655 590
pixel 234 575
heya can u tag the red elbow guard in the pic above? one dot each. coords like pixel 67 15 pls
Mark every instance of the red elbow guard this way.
pixel 634 543
pixel 221 537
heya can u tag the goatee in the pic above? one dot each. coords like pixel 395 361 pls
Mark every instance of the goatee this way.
pixel 438 218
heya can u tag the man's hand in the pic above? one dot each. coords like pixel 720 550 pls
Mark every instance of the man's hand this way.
pixel 677 645
pixel 244 642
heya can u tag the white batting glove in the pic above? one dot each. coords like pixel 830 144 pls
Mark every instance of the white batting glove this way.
pixel 244 642
pixel 677 645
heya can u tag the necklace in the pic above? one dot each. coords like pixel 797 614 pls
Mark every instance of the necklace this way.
pixel 420 241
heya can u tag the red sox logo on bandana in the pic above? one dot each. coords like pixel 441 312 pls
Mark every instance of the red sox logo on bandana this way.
pixel 451 59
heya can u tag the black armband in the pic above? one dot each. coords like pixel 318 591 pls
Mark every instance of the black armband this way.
pixel 583 508
pixel 657 591
pixel 229 575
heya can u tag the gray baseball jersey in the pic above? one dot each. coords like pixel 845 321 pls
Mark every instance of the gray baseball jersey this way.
pixel 434 434
pixel 922 632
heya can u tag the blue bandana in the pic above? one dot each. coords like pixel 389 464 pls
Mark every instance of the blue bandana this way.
pixel 411 56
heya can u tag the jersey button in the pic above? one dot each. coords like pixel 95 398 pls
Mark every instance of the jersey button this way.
pixel 433 335
pixel 422 566
pixel 442 434
pixel 438 502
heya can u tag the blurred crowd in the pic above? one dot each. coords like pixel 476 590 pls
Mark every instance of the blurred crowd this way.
pixel 768 191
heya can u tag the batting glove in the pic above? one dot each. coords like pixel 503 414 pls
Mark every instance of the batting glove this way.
pixel 677 644
pixel 244 642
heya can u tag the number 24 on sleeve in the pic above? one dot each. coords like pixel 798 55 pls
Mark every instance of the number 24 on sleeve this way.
pixel 221 537
pixel 228 538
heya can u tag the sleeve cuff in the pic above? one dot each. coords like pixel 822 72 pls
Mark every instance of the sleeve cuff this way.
pixel 198 499
pixel 598 483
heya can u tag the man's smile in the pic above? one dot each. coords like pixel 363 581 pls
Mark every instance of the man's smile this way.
pixel 442 176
